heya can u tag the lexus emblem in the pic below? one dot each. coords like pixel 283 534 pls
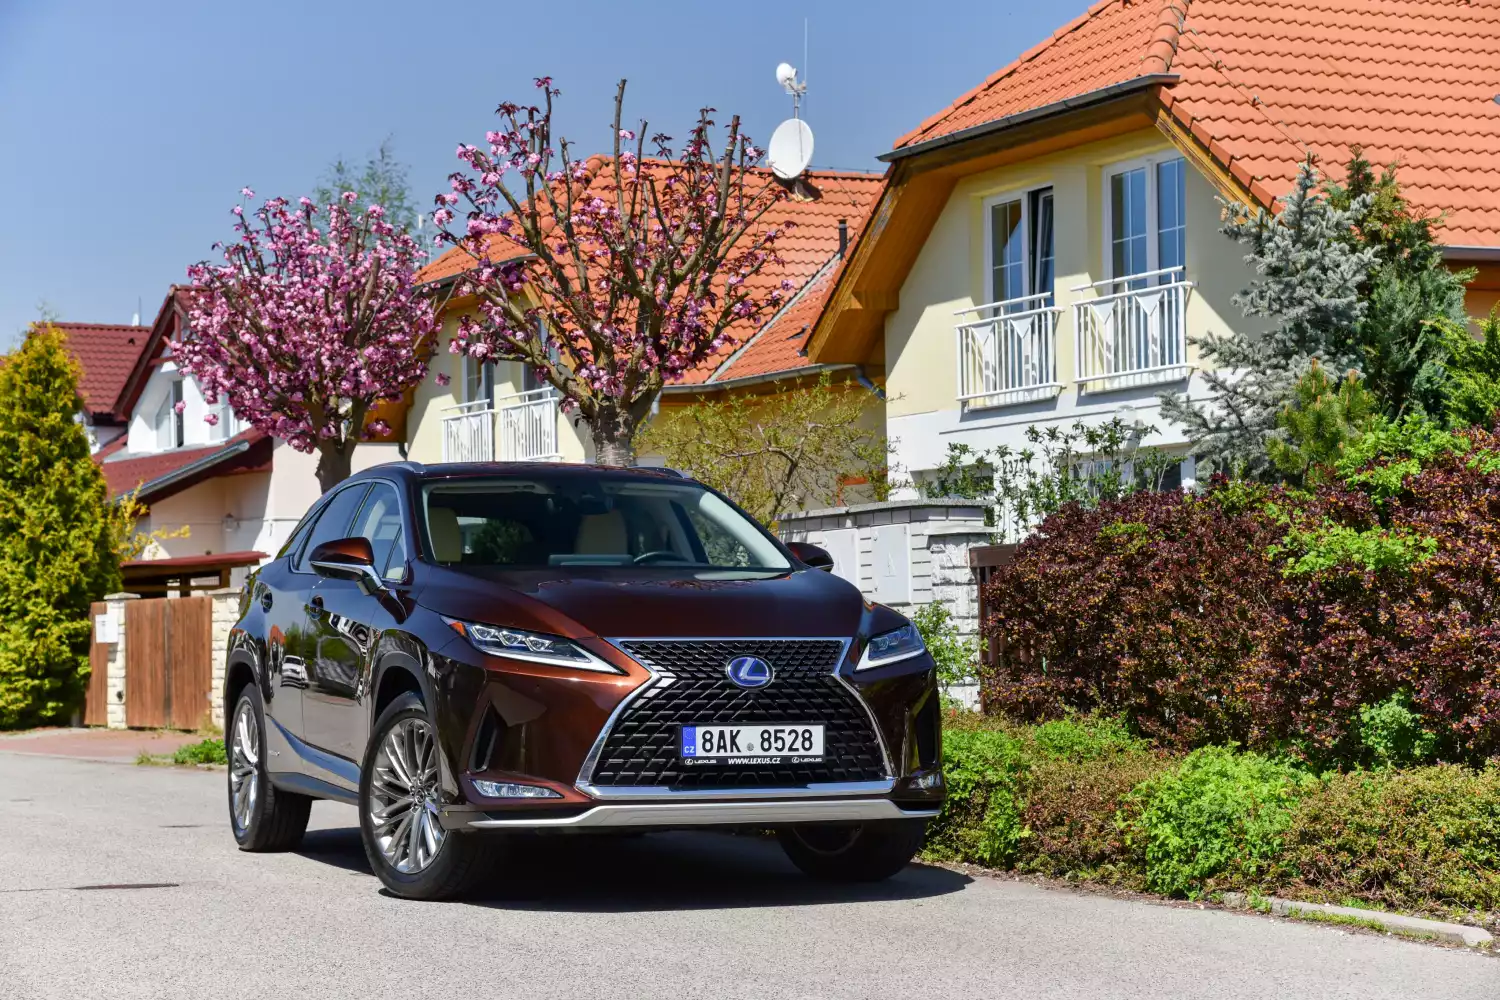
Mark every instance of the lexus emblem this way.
pixel 749 671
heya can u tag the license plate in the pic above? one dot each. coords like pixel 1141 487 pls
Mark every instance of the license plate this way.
pixel 751 744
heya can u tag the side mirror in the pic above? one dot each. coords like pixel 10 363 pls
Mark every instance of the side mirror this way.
pixel 347 559
pixel 812 555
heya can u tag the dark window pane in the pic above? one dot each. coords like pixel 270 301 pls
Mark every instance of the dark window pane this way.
pixel 380 521
pixel 334 521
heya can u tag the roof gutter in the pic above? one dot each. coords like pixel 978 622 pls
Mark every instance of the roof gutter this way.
pixel 1052 110
pixel 1471 253
pixel 206 462
pixel 701 388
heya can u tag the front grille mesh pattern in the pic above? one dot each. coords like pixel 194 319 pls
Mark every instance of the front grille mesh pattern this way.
pixel 642 748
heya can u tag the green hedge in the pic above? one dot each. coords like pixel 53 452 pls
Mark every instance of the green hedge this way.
pixel 1083 799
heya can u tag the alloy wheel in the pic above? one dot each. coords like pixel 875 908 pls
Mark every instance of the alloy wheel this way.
pixel 404 797
pixel 244 766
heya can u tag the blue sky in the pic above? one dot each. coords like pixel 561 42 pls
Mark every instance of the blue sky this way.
pixel 127 130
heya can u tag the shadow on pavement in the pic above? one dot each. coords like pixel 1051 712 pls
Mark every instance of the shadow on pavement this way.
pixel 659 871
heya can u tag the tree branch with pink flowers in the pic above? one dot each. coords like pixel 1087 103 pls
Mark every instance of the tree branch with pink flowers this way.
pixel 313 318
pixel 611 277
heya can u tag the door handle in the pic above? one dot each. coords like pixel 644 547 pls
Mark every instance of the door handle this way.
pixel 315 606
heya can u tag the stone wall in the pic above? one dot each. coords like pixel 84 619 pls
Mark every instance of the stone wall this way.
pixel 225 612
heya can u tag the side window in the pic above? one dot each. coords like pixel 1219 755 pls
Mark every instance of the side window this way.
pixel 334 521
pixel 395 564
pixel 379 520
pixel 298 535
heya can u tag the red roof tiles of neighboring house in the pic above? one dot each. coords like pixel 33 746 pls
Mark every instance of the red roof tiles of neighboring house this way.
pixel 1263 82
pixel 778 346
pixel 164 473
pixel 805 249
pixel 107 353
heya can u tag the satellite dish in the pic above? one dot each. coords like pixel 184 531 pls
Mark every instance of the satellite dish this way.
pixel 791 149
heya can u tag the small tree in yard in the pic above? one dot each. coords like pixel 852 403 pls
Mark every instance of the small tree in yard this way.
pixel 608 294
pixel 310 321
pixel 60 537
pixel 792 448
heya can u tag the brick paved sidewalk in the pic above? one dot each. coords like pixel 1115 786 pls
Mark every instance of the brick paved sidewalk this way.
pixel 112 745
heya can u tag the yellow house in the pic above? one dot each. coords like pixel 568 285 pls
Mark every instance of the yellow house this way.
pixel 1047 245
pixel 500 411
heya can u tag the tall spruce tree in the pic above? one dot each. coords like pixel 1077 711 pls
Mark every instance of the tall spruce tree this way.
pixel 1308 281
pixel 60 537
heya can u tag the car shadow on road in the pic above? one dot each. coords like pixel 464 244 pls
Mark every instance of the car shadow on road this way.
pixel 658 871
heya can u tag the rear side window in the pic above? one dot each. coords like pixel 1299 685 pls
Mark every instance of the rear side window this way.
pixel 334 521
pixel 379 520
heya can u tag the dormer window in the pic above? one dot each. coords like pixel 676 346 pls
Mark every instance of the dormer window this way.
pixel 170 425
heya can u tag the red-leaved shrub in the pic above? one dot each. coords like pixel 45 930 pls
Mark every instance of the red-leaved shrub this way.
pixel 1178 612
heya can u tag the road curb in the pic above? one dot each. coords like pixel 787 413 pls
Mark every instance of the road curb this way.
pixel 1396 923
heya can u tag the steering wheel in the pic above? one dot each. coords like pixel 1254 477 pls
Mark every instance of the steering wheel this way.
pixel 655 554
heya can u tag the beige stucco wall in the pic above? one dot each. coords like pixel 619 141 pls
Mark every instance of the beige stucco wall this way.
pixel 424 424
pixel 949 274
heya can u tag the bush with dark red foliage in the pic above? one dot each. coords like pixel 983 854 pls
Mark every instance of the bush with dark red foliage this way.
pixel 1262 617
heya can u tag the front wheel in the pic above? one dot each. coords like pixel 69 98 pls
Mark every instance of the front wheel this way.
pixel 862 852
pixel 399 798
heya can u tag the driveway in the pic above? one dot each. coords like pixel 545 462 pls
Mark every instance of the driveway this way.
pixel 123 881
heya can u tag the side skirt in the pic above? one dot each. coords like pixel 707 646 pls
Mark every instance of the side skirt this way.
pixel 338 776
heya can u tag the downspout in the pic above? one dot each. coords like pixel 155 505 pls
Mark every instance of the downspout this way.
pixel 864 380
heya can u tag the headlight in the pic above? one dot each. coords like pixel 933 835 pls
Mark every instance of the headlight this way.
pixel 531 646
pixel 889 647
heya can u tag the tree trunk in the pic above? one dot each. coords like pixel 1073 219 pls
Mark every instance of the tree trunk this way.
pixel 334 460
pixel 613 431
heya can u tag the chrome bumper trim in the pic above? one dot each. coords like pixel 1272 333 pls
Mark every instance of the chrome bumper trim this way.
pixel 816 790
pixel 674 814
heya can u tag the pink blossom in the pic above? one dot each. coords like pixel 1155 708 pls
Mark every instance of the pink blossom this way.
pixel 442 379
pixel 211 419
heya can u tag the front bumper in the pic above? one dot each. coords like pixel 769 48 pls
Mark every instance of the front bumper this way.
pixel 668 815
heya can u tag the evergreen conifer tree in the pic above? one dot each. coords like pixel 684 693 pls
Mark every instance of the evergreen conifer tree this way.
pixel 60 537
pixel 1307 285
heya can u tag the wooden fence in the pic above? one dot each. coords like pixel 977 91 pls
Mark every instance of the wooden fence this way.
pixel 168 664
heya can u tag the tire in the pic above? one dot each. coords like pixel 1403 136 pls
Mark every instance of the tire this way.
pixel 408 850
pixel 867 852
pixel 261 817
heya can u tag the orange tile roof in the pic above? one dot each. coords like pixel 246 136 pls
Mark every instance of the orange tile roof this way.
pixel 778 346
pixel 1264 82
pixel 125 473
pixel 1113 42
pixel 106 353
pixel 805 250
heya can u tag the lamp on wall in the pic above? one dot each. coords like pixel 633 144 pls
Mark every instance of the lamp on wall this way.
pixel 231 523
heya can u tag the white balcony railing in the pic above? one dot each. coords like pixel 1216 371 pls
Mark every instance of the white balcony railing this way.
pixel 528 426
pixel 1133 331
pixel 469 432
pixel 1008 354
pixel 525 424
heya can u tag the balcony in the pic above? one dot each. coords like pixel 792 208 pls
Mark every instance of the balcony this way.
pixel 1009 354
pixel 1132 332
pixel 524 423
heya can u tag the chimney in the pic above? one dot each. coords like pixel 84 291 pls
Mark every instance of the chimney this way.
pixel 843 236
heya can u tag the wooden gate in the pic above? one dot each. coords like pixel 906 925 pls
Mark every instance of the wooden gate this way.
pixel 168 662
pixel 96 697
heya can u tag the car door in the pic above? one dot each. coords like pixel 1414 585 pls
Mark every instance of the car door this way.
pixel 309 620
pixel 349 624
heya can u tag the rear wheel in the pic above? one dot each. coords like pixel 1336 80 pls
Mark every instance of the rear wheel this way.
pixel 862 852
pixel 399 798
pixel 263 818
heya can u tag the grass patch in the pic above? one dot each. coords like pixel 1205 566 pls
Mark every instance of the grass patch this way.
pixel 1341 919
pixel 207 751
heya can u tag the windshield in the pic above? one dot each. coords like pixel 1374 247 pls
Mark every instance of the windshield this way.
pixel 570 520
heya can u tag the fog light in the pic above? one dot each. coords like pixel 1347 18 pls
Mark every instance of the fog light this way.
pixel 511 790
pixel 927 782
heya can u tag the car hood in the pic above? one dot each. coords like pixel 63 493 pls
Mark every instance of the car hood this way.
pixel 639 603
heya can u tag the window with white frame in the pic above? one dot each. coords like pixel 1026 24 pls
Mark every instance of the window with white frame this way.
pixel 170 429
pixel 1145 218
pixel 479 381
pixel 1020 245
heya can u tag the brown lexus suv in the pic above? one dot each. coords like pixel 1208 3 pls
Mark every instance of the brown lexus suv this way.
pixel 465 650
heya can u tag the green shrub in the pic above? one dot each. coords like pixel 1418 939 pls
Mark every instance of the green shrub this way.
pixel 1393 735
pixel 954 656
pixel 981 818
pixel 1083 739
pixel 210 751
pixel 1421 839
pixel 1218 813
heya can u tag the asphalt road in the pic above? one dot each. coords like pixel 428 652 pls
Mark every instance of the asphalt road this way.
pixel 669 915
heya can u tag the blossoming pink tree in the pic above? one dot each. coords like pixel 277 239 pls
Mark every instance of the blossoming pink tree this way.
pixel 312 319
pixel 614 276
